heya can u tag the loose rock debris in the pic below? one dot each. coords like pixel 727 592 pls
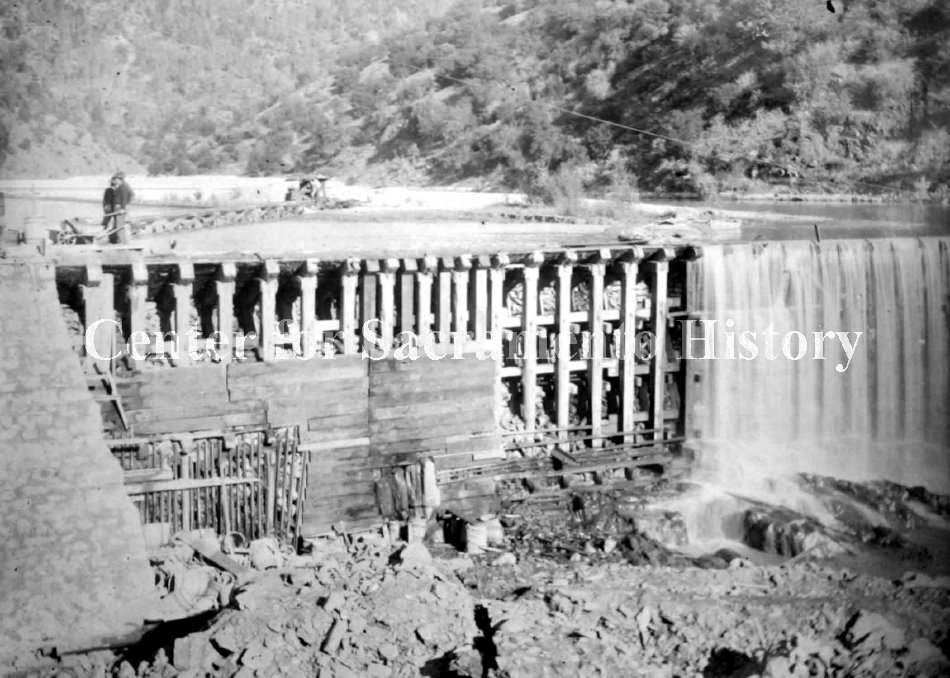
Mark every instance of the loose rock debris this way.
pixel 594 590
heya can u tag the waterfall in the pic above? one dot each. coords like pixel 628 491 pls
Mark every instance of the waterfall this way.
pixel 885 414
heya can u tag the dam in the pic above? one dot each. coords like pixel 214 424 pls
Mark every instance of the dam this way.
pixel 326 396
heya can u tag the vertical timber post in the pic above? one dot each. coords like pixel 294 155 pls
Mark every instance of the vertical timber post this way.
pixel 137 294
pixel 183 288
pixel 479 314
pixel 94 295
pixel 460 278
pixel 368 309
pixel 496 302
pixel 628 360
pixel 224 285
pixel 565 272
pixel 308 307
pixel 444 305
pixel 348 282
pixel 658 269
pixel 387 302
pixel 269 283
pixel 595 373
pixel 407 289
pixel 424 278
pixel 529 329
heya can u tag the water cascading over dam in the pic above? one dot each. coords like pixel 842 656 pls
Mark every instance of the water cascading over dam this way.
pixel 884 415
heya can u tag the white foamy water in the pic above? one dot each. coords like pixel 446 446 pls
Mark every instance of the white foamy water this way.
pixel 887 416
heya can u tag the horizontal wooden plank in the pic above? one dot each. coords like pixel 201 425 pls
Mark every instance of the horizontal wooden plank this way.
pixel 194 409
pixel 318 369
pixel 429 444
pixel 182 425
pixel 331 445
pixel 400 394
pixel 340 433
pixel 349 389
pixel 378 380
pixel 475 403
pixel 320 423
pixel 449 363
pixel 431 425
pixel 142 487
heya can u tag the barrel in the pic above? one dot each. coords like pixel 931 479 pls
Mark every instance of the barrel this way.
pixel 476 537
pixel 34 229
pixel 417 530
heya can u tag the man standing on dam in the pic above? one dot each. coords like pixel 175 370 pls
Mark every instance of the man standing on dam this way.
pixel 115 201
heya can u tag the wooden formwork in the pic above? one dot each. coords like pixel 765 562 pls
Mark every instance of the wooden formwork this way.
pixel 562 333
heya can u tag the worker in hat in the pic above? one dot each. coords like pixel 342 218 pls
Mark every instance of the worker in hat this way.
pixel 115 202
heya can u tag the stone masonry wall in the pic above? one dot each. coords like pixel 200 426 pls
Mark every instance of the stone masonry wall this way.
pixel 73 568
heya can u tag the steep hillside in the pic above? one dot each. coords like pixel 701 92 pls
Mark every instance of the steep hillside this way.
pixel 697 95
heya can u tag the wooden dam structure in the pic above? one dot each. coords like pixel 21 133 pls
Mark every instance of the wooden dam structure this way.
pixel 337 394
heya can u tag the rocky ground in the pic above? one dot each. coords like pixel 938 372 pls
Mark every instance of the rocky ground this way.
pixel 582 589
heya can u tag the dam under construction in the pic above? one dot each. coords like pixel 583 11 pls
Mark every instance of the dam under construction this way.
pixel 220 401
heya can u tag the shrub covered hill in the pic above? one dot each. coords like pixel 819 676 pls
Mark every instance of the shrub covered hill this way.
pixel 697 95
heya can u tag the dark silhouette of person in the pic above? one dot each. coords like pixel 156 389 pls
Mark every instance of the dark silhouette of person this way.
pixel 115 202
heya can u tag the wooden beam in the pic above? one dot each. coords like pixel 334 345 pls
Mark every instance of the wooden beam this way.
pixel 628 361
pixel 368 308
pixel 595 373
pixel 224 286
pixel 658 272
pixel 424 280
pixel 348 320
pixel 479 311
pixel 444 305
pixel 460 278
pixel 307 279
pixel 183 289
pixel 268 285
pixel 407 289
pixel 565 272
pixel 529 329
pixel 387 302
pixel 137 294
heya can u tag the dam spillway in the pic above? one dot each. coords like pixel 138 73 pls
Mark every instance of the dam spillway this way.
pixel 886 416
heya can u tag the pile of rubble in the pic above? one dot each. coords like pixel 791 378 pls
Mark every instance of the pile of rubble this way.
pixel 595 587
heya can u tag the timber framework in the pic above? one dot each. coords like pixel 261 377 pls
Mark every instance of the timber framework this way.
pixel 261 442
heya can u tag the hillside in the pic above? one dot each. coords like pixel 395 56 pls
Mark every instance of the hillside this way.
pixel 698 95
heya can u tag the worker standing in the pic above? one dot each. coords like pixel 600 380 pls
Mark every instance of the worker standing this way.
pixel 115 202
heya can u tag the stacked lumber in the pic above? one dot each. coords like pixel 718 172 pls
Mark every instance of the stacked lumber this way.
pixel 185 400
pixel 326 398
pixel 432 408
pixel 171 387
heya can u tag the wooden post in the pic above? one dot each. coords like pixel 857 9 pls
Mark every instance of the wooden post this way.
pixel 407 289
pixel 348 320
pixel 308 308
pixel 595 372
pixel 444 305
pixel 96 293
pixel 460 277
pixel 227 273
pixel 137 292
pixel 480 300
pixel 183 289
pixel 424 278
pixel 496 300
pixel 658 270
pixel 628 360
pixel 368 309
pixel 529 329
pixel 565 271
pixel 268 330
pixel 387 302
